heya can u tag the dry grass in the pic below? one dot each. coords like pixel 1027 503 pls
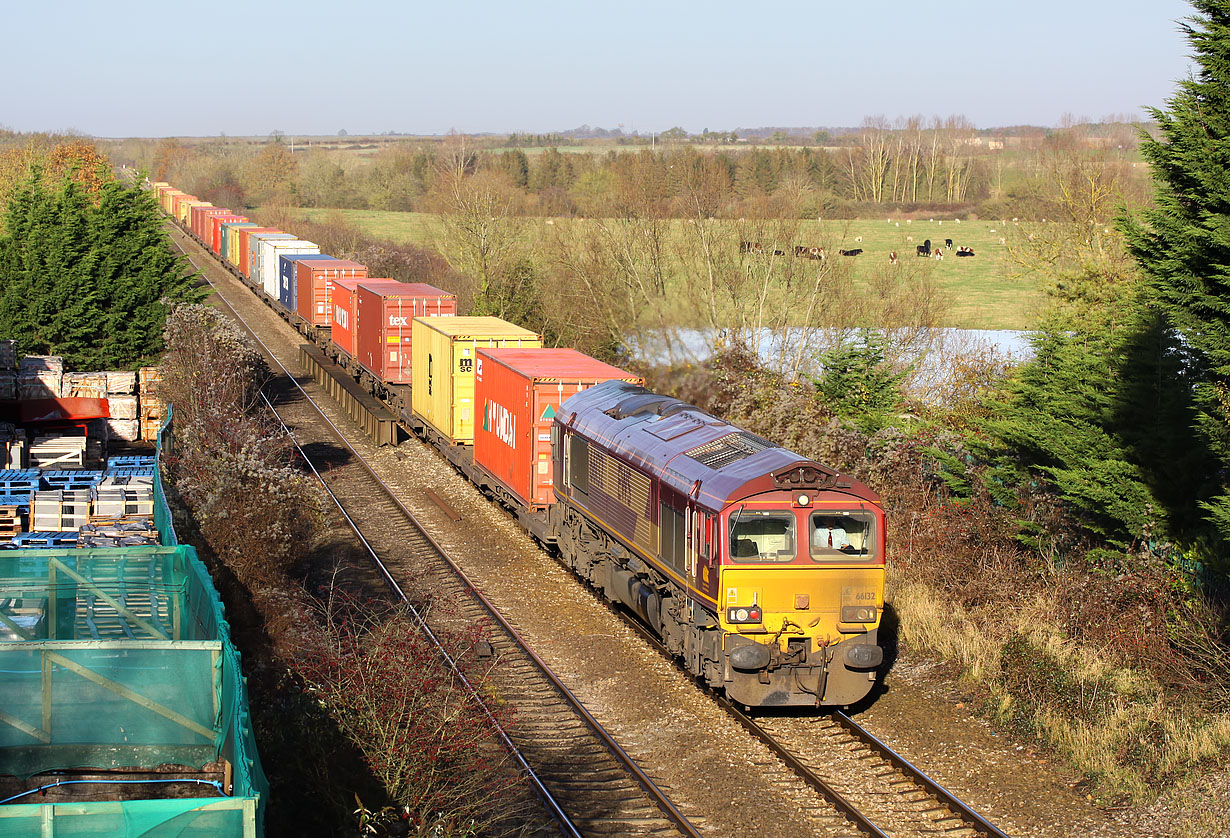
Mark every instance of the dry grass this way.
pixel 1113 723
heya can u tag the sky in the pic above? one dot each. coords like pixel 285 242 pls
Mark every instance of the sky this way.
pixel 174 68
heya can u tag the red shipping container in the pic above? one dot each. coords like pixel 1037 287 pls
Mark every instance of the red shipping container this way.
pixel 342 332
pixel 386 310
pixel 203 217
pixel 517 393
pixel 215 229
pixel 245 241
pixel 314 292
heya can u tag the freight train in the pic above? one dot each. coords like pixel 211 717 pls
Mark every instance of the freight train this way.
pixel 761 570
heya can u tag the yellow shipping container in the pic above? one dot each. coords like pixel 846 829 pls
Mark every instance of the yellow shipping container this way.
pixel 445 351
pixel 184 206
pixel 168 196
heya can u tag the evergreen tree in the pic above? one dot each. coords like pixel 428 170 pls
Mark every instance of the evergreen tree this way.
pixel 83 280
pixel 1183 243
pixel 1057 423
pixel 858 383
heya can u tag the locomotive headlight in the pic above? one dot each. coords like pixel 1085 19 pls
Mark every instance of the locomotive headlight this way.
pixel 751 614
pixel 858 614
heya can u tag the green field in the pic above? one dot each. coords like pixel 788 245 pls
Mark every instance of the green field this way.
pixel 986 291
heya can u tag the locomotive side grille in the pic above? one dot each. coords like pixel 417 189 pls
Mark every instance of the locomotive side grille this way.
pixel 629 490
pixel 729 449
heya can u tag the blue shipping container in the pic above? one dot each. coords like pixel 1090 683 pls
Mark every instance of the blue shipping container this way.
pixel 288 292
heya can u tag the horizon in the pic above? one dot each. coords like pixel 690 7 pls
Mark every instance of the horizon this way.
pixel 138 68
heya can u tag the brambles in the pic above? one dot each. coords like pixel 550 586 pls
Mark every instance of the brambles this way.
pixel 420 730
pixel 231 463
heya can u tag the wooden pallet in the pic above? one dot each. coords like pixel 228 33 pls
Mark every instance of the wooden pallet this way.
pixel 58 452
pixel 59 511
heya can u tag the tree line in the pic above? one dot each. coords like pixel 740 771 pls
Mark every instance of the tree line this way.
pixel 941 165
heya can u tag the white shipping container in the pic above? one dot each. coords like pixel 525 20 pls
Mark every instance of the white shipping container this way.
pixel 267 260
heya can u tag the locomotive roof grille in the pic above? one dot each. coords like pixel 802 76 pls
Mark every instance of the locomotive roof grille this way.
pixel 643 401
pixel 728 449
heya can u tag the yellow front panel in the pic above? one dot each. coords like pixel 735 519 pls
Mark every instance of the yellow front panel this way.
pixel 808 598
pixel 444 350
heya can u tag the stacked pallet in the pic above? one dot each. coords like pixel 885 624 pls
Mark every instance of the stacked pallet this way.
pixel 118 533
pixel 84 385
pixel 10 521
pixel 19 481
pixel 122 503
pixel 124 423
pixel 40 377
pixel 153 408
pixel 58 452
pixel 14 447
pixel 78 478
pixel 60 511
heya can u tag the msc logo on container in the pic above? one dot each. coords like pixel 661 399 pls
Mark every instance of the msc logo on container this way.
pixel 500 421
pixel 341 317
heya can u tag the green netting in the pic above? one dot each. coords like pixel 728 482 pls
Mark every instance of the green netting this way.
pixel 162 512
pixel 132 818
pixel 115 658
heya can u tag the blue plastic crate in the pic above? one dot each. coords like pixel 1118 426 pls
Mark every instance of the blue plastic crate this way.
pixel 45 539
pixel 72 478
pixel 14 481
pixel 132 461
pixel 130 471
pixel 22 500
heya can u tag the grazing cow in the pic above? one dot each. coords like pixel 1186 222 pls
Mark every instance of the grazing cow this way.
pixel 938 253
pixel 750 247
pixel 965 252
pixel 815 253
pixel 779 253
pixel 892 257
pixel 924 249
pixel 856 251
pixel 948 244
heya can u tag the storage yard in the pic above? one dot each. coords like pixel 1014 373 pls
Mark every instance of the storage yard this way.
pixel 123 706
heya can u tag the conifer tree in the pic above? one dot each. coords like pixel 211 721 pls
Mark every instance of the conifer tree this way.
pixel 1183 244
pixel 86 280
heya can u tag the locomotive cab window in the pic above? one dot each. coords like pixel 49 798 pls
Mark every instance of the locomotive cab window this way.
pixel 837 535
pixel 757 536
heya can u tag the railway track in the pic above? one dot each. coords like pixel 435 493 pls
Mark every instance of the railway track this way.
pixel 585 779
pixel 872 790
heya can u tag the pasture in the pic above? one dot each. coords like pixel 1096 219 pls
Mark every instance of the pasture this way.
pixel 986 291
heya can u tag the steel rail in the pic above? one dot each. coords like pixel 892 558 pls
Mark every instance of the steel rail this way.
pixel 903 765
pixel 669 809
